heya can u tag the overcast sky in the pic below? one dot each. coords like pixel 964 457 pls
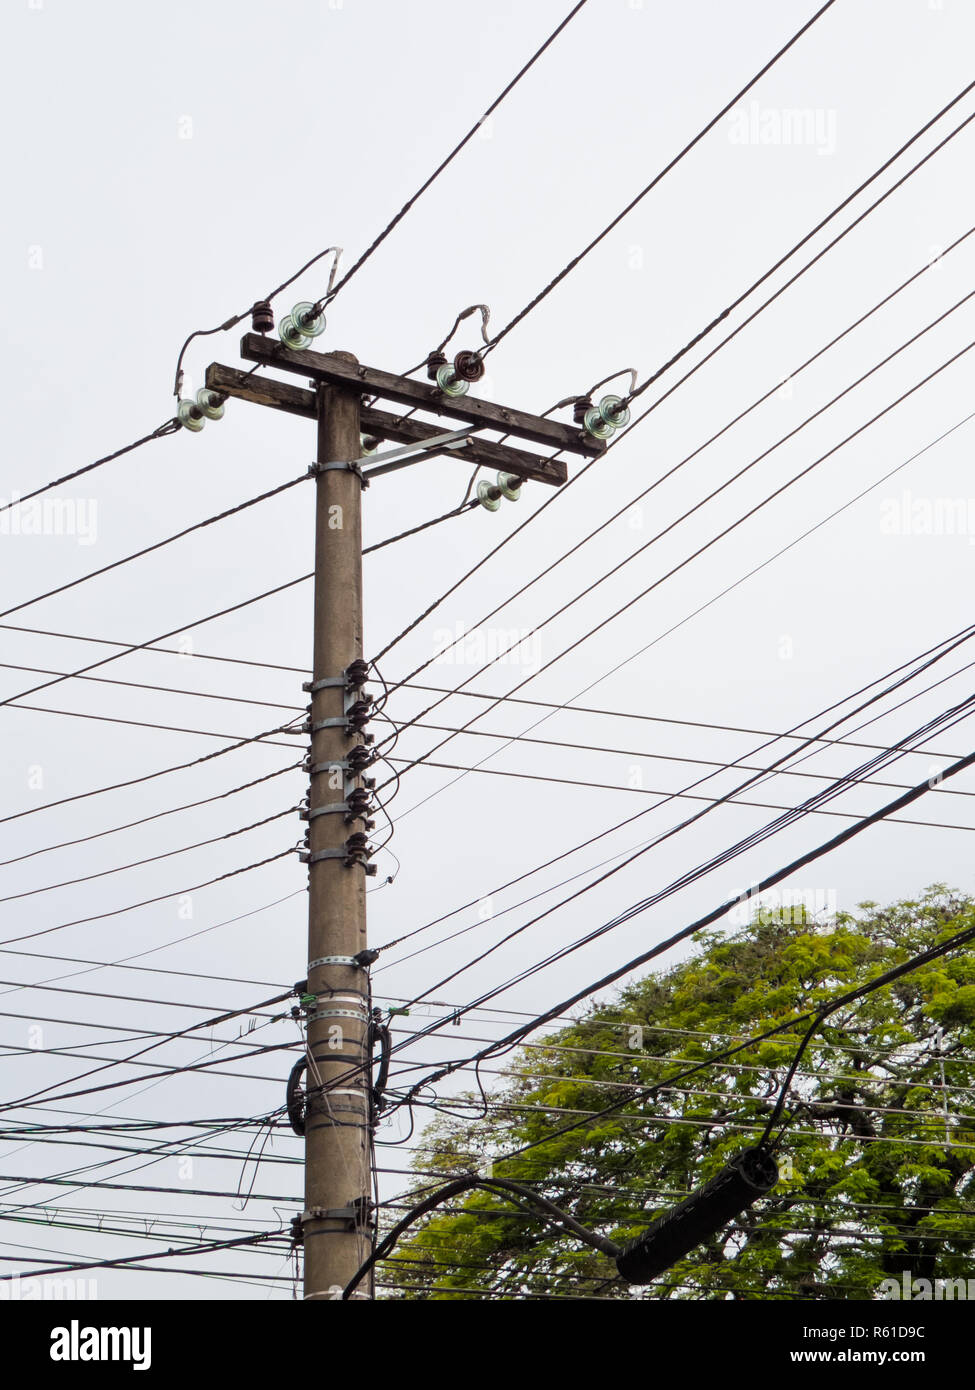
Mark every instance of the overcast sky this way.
pixel 166 165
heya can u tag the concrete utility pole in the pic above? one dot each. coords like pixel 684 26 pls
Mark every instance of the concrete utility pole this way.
pixel 336 1224
pixel 339 1107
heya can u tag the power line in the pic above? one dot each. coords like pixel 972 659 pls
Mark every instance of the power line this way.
pixel 681 795
pixel 148 776
pixel 161 431
pixel 750 841
pixel 172 1070
pixel 155 969
pixel 754 838
pixel 713 352
pixel 807 742
pixel 140 646
pixel 334 289
pixel 157 1255
pixel 856 192
pixel 149 647
pixel 152 859
pixel 716 763
pixel 688 559
pixel 146 902
pixel 523 313
pixel 769 881
pixel 157 545
pixel 158 815
pixel 146 685
pixel 151 724
pixel 656 718
pixel 766 395
pixel 371 249
pixel 425 525
pixel 124 962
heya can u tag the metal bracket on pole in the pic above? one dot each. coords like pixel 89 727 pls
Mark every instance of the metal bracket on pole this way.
pixel 354 765
pixel 348 858
pixel 353 677
pixel 353 1215
pixel 357 1014
pixel 362 961
pixel 413 453
pixel 329 683
pixel 339 465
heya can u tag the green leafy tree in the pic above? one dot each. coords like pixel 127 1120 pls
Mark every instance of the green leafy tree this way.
pixel 876 1157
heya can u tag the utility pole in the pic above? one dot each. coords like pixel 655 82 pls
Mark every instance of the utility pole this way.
pixel 339 1107
pixel 336 1223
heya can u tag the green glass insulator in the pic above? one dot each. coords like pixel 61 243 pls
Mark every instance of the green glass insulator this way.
pixel 449 382
pixel 614 412
pixel 308 319
pixel 596 425
pixel 291 335
pixel 210 403
pixel 484 491
pixel 190 416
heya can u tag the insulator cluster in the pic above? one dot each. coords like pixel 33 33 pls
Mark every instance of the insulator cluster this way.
pixel 193 412
pixel 490 494
pixel 455 378
pixel 356 805
pixel 604 419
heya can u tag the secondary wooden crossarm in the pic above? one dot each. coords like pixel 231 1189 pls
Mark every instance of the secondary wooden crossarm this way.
pixel 334 370
pixel 298 400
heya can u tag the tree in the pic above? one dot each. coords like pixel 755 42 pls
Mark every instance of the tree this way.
pixel 877 1155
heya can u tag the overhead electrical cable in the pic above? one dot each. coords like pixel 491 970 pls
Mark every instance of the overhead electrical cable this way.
pixel 757 507
pixel 445 163
pixel 928 658
pixel 152 859
pixel 949 716
pixel 156 545
pixel 333 288
pixel 167 428
pixel 157 815
pixel 768 881
pixel 713 352
pixel 146 902
pixel 148 776
pixel 953 715
pixel 681 154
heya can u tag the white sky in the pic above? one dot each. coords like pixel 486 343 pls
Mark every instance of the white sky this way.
pixel 168 164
